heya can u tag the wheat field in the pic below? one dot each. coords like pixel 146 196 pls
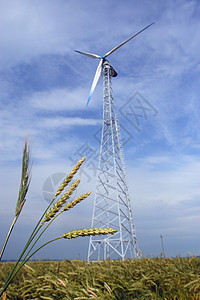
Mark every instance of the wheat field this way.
pixel 144 278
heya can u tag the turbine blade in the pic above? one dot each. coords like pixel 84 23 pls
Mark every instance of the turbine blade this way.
pixel 95 80
pixel 88 54
pixel 111 51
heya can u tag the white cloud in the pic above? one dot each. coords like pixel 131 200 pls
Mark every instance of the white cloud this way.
pixel 30 29
pixel 162 179
pixel 59 122
pixel 60 99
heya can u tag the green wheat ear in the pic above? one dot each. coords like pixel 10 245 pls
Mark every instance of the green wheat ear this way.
pixel 25 178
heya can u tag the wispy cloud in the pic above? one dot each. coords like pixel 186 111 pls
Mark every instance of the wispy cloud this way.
pixel 59 99
pixel 67 122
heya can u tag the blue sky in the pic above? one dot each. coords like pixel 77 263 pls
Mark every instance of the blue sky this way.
pixel 44 90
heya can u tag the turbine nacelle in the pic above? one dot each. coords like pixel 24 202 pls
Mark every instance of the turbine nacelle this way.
pixel 104 61
pixel 113 72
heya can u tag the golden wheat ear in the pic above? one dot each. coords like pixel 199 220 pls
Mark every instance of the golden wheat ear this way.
pixel 50 214
pixel 75 201
pixel 69 177
pixel 87 232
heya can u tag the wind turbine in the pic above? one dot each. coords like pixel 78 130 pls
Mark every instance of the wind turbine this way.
pixel 112 204
pixel 103 59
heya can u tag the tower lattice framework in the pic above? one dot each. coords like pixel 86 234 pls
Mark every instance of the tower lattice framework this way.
pixel 112 206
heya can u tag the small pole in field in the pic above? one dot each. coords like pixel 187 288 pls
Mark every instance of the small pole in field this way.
pixel 163 251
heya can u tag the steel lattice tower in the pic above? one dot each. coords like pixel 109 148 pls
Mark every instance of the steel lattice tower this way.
pixel 112 207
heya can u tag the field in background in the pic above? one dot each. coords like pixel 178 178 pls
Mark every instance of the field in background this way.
pixel 144 278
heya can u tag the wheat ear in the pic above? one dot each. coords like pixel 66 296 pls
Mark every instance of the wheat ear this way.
pixel 87 232
pixel 75 201
pixel 57 206
pixel 69 177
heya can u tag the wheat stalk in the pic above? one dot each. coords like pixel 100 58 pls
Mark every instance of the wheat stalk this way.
pixel 23 189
